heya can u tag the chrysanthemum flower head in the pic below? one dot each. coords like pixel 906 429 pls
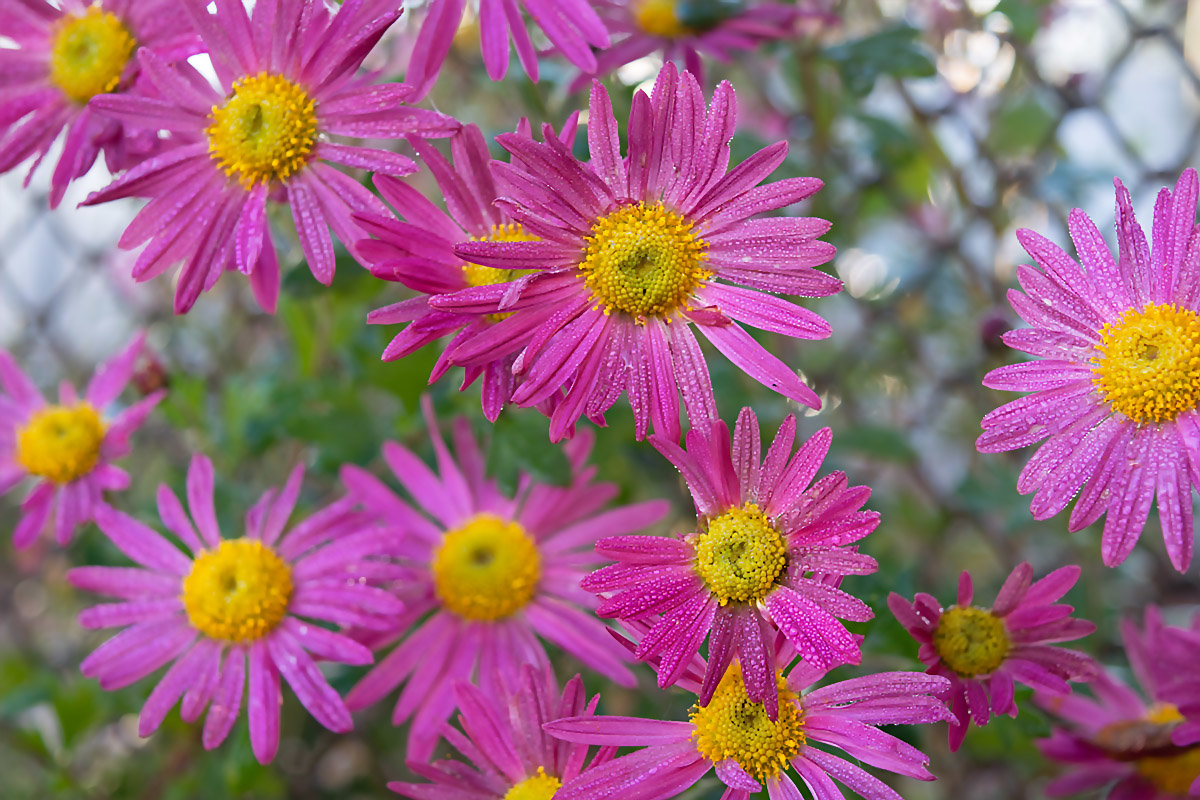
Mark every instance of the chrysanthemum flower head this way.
pixel 983 651
pixel 418 251
pixel 749 748
pixel 65 55
pixel 684 31
pixel 634 251
pixel 572 26
pixel 230 610
pixel 766 556
pixel 512 757
pixel 1116 737
pixel 1115 384
pixel 68 446
pixel 287 84
pixel 486 576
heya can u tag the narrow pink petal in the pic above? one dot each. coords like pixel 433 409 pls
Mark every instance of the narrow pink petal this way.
pixel 200 499
pixel 227 701
pixel 263 703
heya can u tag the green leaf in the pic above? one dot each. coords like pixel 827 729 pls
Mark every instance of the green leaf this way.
pixel 895 52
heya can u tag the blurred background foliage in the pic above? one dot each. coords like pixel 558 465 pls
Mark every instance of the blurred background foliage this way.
pixel 939 127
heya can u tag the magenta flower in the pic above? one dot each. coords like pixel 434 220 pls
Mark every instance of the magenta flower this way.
pixel 69 446
pixel 484 576
pixel 766 556
pixel 65 55
pixel 747 747
pixel 1115 738
pixel 235 608
pixel 511 757
pixel 287 83
pixel 629 257
pixel 419 252
pixel 984 650
pixel 683 31
pixel 1115 386
pixel 570 25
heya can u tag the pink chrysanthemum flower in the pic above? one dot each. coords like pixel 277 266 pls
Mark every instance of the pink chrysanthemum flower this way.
pixel 570 25
pixel 684 31
pixel 232 609
pixel 67 446
pixel 419 252
pixel 486 575
pixel 984 650
pixel 1115 387
pixel 766 555
pixel 634 251
pixel 511 757
pixel 64 56
pixel 287 83
pixel 748 748
pixel 1115 737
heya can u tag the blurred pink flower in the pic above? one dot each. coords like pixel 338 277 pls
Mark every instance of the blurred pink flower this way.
pixel 227 603
pixel 983 651
pixel 67 446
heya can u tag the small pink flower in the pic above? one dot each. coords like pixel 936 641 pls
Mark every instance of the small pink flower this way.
pixel 486 577
pixel 67 446
pixel 748 748
pixel 1115 390
pixel 287 86
pixel 984 650
pixel 1116 738
pixel 570 25
pixel 228 610
pixel 509 754
pixel 66 54
pixel 636 253
pixel 769 550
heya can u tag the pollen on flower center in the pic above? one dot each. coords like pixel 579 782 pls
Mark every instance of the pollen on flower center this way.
pixel 740 555
pixel 487 569
pixel 644 260
pixel 538 786
pixel 61 443
pixel 88 53
pixel 658 18
pixel 971 641
pixel 266 129
pixel 238 592
pixel 1147 364
pixel 1147 743
pixel 734 726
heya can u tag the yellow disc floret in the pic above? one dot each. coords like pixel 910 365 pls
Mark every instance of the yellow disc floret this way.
pixel 1147 365
pixel 61 443
pixel 487 569
pixel 238 592
pixel 659 18
pixel 1147 744
pixel 538 786
pixel 734 726
pixel 88 53
pixel 740 555
pixel 644 260
pixel 971 641
pixel 266 129
pixel 479 275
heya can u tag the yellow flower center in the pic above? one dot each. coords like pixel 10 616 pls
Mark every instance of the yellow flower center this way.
pixel 1147 743
pixel 658 18
pixel 971 641
pixel 538 786
pixel 61 443
pixel 1147 364
pixel 734 726
pixel 267 129
pixel 88 53
pixel 740 555
pixel 644 260
pixel 238 592
pixel 486 570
